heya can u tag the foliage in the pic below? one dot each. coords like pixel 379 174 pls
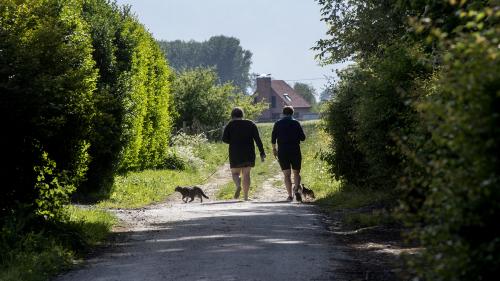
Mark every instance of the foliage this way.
pixel 198 98
pixel 422 107
pixel 357 28
pixel 347 162
pixel 251 109
pixel 229 60
pixel 146 103
pixel 28 253
pixel 47 80
pixel 307 91
pixel 138 189
pixel 204 105
pixel 85 94
pixel 453 201
pixel 382 110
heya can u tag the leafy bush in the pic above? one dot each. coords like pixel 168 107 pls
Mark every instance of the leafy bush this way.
pixel 47 80
pixel 185 151
pixel 346 161
pixel 427 113
pixel 204 105
pixel 457 156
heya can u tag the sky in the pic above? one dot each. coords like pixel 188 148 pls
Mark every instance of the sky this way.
pixel 279 33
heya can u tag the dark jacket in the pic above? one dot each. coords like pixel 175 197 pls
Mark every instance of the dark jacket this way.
pixel 240 135
pixel 288 133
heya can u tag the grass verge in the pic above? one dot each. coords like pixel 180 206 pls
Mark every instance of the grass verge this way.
pixel 360 208
pixel 33 254
pixel 138 189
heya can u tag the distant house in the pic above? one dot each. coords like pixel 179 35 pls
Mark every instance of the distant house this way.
pixel 279 94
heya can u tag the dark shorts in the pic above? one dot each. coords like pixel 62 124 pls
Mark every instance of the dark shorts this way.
pixel 290 160
pixel 242 164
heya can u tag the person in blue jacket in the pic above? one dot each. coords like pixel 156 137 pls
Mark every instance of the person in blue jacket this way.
pixel 288 133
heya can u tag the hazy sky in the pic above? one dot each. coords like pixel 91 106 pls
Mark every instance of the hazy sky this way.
pixel 279 33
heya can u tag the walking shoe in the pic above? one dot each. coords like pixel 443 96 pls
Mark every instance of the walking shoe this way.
pixel 298 197
pixel 290 198
pixel 237 193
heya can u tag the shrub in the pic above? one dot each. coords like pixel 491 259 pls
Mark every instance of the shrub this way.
pixel 47 80
pixel 346 161
pixel 457 156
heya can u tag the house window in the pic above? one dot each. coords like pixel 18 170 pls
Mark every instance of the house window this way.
pixel 287 97
pixel 273 102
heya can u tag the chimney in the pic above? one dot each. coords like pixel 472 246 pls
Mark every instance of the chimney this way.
pixel 264 88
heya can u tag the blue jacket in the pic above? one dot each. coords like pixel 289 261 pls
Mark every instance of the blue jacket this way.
pixel 288 133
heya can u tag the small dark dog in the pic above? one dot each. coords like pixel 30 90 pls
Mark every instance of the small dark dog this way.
pixel 191 192
pixel 307 193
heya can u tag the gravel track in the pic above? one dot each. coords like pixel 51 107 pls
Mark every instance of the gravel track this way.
pixel 263 239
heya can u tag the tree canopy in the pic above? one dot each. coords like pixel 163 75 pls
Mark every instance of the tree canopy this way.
pixel 230 61
pixel 307 91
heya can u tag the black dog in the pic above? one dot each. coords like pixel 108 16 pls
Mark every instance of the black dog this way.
pixel 307 193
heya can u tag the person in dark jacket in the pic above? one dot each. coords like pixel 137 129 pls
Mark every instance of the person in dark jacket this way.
pixel 288 133
pixel 241 134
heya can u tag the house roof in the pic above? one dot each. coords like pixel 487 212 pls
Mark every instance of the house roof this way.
pixel 288 94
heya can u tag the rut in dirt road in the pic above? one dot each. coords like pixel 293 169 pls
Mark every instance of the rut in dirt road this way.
pixel 222 240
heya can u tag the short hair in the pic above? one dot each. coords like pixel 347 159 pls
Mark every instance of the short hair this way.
pixel 237 112
pixel 288 110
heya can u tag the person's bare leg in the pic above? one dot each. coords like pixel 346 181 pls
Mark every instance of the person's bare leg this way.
pixel 246 181
pixel 235 172
pixel 288 181
pixel 296 180
pixel 296 187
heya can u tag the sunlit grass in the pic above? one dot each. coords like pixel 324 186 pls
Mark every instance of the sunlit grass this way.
pixel 138 189
pixel 330 193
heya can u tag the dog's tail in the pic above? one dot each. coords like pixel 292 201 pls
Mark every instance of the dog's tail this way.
pixel 203 194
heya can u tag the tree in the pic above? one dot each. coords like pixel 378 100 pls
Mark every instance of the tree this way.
pixel 203 103
pixel 307 91
pixel 230 61
pixel 199 99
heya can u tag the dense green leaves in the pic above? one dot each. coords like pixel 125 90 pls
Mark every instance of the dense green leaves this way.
pixel 203 104
pixel 47 83
pixel 458 188
pixel 419 112
pixel 85 93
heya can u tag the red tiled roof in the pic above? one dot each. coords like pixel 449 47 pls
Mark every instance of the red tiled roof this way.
pixel 280 88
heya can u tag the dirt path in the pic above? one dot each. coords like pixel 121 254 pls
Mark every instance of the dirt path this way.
pixel 264 239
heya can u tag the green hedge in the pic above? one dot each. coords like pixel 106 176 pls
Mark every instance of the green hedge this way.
pixel 419 113
pixel 85 94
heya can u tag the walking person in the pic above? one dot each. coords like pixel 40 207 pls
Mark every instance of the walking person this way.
pixel 288 133
pixel 241 134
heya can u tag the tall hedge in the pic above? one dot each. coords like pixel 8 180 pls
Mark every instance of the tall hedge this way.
pixel 85 93
pixel 47 84
pixel 456 156
pixel 146 123
pixel 419 112
pixel 133 121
